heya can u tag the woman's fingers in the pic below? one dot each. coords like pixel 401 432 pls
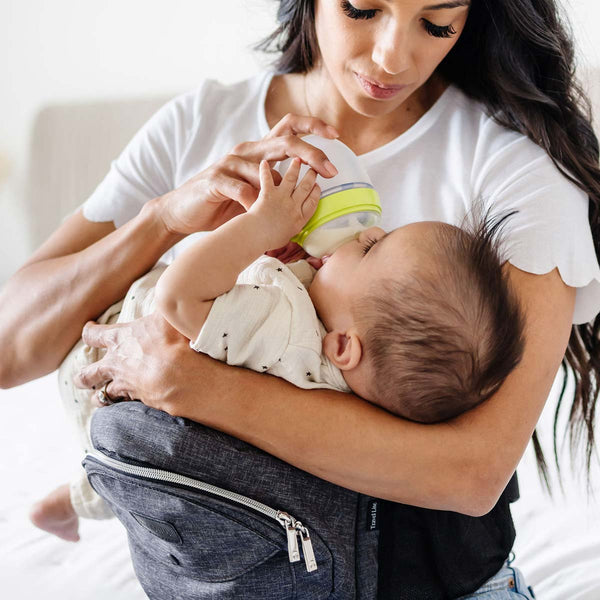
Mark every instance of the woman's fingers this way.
pixel 228 187
pixel 296 124
pixel 240 180
pixel 96 336
pixel 109 395
pixel 283 147
pixel 94 376
pixel 240 167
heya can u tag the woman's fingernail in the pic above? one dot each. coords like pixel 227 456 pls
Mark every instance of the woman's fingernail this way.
pixel 330 168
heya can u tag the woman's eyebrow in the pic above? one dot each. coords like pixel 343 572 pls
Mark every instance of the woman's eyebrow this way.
pixel 446 5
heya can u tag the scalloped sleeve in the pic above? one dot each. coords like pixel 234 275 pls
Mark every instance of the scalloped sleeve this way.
pixel 551 228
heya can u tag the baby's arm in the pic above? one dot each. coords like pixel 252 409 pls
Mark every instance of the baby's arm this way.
pixel 210 267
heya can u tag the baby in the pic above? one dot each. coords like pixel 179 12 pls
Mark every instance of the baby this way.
pixel 420 321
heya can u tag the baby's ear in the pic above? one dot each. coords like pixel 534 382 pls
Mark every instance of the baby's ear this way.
pixel 343 349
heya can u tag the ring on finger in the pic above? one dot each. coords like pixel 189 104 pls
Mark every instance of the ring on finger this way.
pixel 103 396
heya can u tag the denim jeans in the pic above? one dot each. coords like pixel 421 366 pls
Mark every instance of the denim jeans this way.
pixel 507 584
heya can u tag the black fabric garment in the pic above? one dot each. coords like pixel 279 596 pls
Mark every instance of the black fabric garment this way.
pixel 440 555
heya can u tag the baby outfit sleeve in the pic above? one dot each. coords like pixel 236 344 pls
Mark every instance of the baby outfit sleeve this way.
pixel 248 327
pixel 146 168
pixel 550 228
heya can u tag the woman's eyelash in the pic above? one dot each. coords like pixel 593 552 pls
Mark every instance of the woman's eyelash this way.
pixel 438 30
pixel 355 13
pixel 368 244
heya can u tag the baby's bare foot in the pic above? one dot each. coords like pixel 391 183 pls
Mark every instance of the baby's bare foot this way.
pixel 56 515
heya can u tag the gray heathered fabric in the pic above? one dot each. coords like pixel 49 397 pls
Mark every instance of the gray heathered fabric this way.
pixel 187 544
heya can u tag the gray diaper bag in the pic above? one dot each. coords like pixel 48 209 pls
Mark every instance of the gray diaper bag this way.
pixel 211 517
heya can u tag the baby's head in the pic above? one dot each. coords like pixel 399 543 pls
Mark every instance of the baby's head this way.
pixel 422 320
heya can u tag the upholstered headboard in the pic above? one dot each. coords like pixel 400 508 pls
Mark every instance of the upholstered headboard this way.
pixel 72 146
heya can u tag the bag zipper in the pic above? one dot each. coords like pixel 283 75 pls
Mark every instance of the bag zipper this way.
pixel 292 526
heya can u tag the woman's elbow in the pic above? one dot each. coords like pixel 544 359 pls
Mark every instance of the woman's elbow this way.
pixel 471 489
pixel 18 366
pixel 6 379
pixel 482 492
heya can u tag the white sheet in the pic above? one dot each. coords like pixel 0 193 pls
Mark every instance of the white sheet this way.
pixel 558 542
pixel 38 453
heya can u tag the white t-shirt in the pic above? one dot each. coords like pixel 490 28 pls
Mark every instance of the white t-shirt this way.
pixel 454 155
pixel 267 323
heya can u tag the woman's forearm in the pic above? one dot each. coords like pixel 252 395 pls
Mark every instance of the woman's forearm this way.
pixel 44 306
pixel 462 465
pixel 343 439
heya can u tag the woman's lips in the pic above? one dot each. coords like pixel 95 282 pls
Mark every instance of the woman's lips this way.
pixel 379 90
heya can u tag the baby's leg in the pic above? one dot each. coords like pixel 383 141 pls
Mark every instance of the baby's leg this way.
pixel 56 515
pixel 59 511
pixel 85 501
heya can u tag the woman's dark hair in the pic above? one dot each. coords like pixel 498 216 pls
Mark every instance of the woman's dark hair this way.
pixel 517 58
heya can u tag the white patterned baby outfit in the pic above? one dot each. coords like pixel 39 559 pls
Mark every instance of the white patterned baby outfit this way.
pixel 266 323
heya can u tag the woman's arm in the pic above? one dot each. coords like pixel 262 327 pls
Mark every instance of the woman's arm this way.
pixel 77 273
pixel 463 465
pixel 84 267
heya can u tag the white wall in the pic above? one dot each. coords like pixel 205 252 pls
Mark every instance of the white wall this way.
pixel 70 50
pixel 65 50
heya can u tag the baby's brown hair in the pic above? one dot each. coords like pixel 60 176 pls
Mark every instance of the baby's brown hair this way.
pixel 443 340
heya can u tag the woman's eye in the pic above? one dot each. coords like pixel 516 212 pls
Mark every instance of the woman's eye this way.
pixel 355 13
pixel 438 30
pixel 367 245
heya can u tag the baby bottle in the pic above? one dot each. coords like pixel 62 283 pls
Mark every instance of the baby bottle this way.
pixel 348 204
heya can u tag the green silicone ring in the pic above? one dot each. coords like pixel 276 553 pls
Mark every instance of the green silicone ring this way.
pixel 340 204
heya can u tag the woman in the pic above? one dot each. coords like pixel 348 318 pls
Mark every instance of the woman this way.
pixel 407 84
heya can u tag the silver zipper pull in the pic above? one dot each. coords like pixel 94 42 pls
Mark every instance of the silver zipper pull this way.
pixel 292 535
pixel 307 548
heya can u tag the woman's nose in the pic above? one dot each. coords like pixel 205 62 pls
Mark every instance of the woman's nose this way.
pixel 391 51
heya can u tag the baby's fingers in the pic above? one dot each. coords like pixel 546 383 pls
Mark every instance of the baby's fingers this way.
pixel 304 188
pixel 265 177
pixel 291 176
pixel 309 205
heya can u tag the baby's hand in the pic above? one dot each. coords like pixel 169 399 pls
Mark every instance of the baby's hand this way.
pixel 284 209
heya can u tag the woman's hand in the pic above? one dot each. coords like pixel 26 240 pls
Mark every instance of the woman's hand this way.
pixel 231 185
pixel 145 360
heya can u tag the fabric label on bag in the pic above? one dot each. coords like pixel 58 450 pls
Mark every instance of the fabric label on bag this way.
pixel 372 519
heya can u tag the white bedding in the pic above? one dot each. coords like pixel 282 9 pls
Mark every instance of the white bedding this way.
pixel 40 452
pixel 558 543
